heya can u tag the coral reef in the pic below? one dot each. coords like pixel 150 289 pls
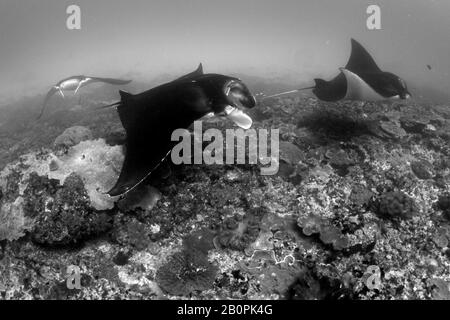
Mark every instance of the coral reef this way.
pixel 361 187
pixel 63 215
pixel 96 163
pixel 186 272
pixel 58 204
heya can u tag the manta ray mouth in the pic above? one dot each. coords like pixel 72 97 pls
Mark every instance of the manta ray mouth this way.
pixel 401 97
pixel 405 96
pixel 239 99
pixel 239 117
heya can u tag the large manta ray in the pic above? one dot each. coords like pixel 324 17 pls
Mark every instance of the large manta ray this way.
pixel 150 117
pixel 361 79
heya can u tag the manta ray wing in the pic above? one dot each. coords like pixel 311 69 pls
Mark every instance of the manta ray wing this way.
pixel 193 74
pixel 360 60
pixel 333 90
pixel 148 141
pixel 358 89
pixel 50 94
pixel 196 73
pixel 142 157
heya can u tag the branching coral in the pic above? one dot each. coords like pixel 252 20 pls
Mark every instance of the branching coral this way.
pixel 186 272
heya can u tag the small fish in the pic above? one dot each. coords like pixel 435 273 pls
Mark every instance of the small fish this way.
pixel 361 79
pixel 74 83
pixel 150 117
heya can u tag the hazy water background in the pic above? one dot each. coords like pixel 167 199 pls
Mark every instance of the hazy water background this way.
pixel 288 41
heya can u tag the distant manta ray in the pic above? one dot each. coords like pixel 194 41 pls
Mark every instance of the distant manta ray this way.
pixel 361 79
pixel 74 83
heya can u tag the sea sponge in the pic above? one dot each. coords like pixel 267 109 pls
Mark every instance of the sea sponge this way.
pixel 396 205
pixel 186 272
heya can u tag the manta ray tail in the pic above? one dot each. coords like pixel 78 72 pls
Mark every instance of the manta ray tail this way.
pixel 288 92
pixel 113 105
pixel 123 95
pixel 111 81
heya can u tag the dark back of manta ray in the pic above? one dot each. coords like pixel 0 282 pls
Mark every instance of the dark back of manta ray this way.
pixel 150 118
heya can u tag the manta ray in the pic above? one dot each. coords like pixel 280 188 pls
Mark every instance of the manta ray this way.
pixel 361 79
pixel 150 117
pixel 74 83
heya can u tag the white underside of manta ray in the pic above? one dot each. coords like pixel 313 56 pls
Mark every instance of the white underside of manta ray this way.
pixel 74 84
pixel 358 89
